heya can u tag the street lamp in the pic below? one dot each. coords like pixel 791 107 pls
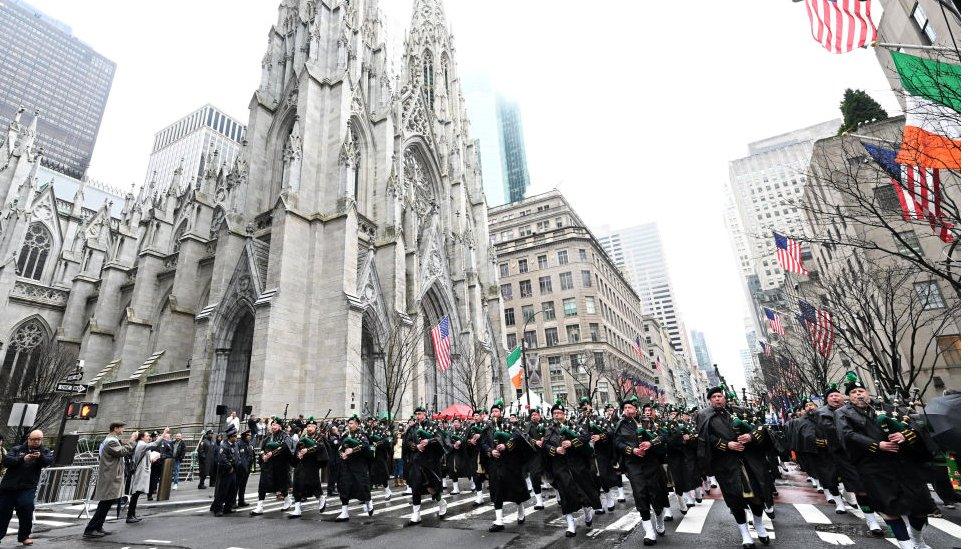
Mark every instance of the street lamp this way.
pixel 525 361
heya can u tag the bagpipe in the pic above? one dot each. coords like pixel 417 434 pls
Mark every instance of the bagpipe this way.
pixel 513 438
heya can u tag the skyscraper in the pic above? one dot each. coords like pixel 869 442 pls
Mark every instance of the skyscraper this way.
pixel 186 144
pixel 496 125
pixel 49 73
pixel 637 251
pixel 703 357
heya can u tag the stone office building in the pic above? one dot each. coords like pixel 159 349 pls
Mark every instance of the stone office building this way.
pixel 354 209
pixel 563 295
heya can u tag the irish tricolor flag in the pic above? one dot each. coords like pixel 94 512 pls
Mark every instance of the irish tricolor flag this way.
pixel 515 370
pixel 932 137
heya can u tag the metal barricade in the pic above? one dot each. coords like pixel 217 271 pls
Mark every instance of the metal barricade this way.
pixel 65 484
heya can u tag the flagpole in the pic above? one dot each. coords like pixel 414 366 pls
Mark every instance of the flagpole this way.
pixel 891 46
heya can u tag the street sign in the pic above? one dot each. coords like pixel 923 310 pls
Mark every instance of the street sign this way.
pixel 535 375
pixel 21 414
pixel 71 388
pixel 72 377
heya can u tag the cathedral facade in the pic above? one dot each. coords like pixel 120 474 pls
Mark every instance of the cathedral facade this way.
pixel 354 213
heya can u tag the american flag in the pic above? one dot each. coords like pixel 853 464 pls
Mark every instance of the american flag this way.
pixel 775 324
pixel 788 254
pixel 440 335
pixel 820 326
pixel 841 25
pixel 767 349
pixel 636 345
pixel 919 190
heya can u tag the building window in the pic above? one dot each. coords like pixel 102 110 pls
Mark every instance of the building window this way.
pixel 523 265
pixel 562 257
pixel 506 291
pixel 929 294
pixel 594 332
pixel 510 341
pixel 587 279
pixel 428 89
pixel 552 337
pixel 911 245
pixel 950 347
pixel 555 368
pixel 545 285
pixel 543 261
pixel 548 310
pixel 582 254
pixel 573 333
pixel 530 340
pixel 566 281
pixel 924 25
pixel 886 199
pixel 510 316
pixel 590 305
pixel 503 269
pixel 17 369
pixel 34 252
pixel 569 306
pixel 525 288
pixel 528 313
pixel 559 222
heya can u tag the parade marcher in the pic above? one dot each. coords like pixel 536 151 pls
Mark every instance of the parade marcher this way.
pixel 649 422
pixel 640 449
pixel 332 438
pixel 382 443
pixel 246 451
pixel 837 467
pixel 682 456
pixel 274 457
pixel 475 452
pixel 18 487
pixel 740 475
pixel 355 455
pixel 571 457
pixel 307 481
pixel 601 438
pixel 508 451
pixel 535 432
pixel 204 455
pixel 424 472
pixel 111 477
pixel 457 459
pixel 227 462
pixel 886 453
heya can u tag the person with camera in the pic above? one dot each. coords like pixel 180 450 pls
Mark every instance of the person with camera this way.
pixel 23 466
pixel 111 477
pixel 145 455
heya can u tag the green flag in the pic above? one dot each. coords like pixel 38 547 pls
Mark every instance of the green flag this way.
pixel 934 80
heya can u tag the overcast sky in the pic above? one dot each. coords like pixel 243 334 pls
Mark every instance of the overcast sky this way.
pixel 632 108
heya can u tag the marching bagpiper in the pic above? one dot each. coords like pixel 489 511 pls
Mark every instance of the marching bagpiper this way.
pixel 425 474
pixel 535 432
pixel 307 481
pixel 276 451
pixel 355 455
pixel 571 459
pixel 507 451
pixel 640 449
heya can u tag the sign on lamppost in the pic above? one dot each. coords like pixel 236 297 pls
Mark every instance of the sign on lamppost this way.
pixel 533 371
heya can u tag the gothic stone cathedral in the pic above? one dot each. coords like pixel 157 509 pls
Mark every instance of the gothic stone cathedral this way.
pixel 355 208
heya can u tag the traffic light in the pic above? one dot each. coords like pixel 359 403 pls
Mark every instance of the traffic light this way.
pixel 72 411
pixel 88 410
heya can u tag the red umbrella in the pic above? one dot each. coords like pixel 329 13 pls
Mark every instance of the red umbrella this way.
pixel 462 411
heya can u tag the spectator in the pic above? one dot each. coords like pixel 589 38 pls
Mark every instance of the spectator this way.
pixel 252 424
pixel 156 470
pixel 204 457
pixel 179 452
pixel 397 459
pixel 145 454
pixel 232 419
pixel 19 484
pixel 108 488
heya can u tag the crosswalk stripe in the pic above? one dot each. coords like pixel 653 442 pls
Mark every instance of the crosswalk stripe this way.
pixel 55 515
pixel 694 521
pixel 513 517
pixel 625 523
pixel 436 508
pixel 480 510
pixel 946 526
pixel 47 522
pixel 811 514
pixel 835 538
pixel 893 541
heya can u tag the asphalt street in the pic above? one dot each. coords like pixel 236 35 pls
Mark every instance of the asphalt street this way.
pixel 803 519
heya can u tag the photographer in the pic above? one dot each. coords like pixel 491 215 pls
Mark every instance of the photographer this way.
pixel 17 487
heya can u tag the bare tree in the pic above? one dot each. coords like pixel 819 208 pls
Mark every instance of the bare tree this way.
pixel 402 364
pixel 586 371
pixel 46 366
pixel 470 374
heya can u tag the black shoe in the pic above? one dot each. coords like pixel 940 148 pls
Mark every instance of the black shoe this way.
pixel 764 540
pixel 218 513
pixel 132 520
pixel 649 542
pixel 570 534
pixel 668 519
pixel 878 533
pixel 521 520
pixel 601 512
pixel 92 535
pixel 698 500
pixel 771 515
pixel 346 519
pixel 589 523
pixel 412 523
pixel 748 546
pixel 539 507
pixel 240 504
pixel 200 487
pixel 496 527
pixel 148 498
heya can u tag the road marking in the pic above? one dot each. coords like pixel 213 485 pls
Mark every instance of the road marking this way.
pixel 512 517
pixel 694 521
pixel 436 508
pixel 946 526
pixel 55 515
pixel 625 523
pixel 834 538
pixel 156 541
pixel 482 509
pixel 811 514
pixel 594 533
pixel 47 522
pixel 893 542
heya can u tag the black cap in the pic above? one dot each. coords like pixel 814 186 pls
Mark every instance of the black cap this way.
pixel 633 401
pixel 832 388
pixel 713 390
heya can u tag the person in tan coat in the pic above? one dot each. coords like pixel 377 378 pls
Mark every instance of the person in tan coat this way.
pixel 111 476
